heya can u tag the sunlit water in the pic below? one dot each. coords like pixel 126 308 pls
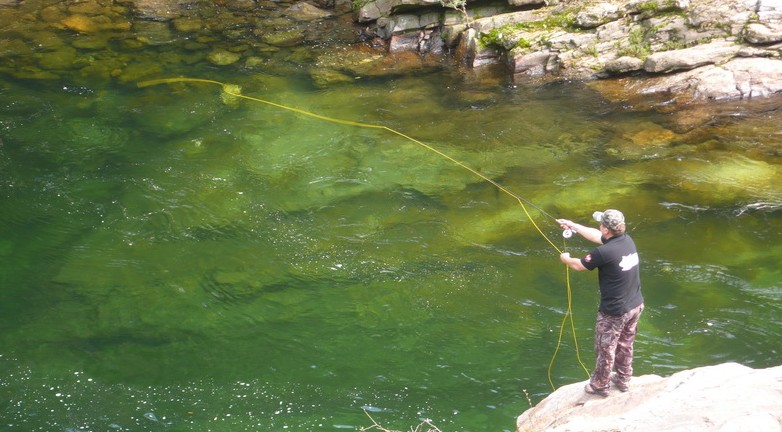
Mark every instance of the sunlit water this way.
pixel 174 260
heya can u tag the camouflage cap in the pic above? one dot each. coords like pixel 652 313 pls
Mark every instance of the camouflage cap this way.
pixel 611 219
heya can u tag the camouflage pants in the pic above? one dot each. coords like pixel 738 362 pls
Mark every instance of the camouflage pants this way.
pixel 614 336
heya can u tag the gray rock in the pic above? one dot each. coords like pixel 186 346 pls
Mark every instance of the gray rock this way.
pixel 373 10
pixel 726 397
pixel 757 33
pixel 306 12
pixel 531 64
pixel 485 25
pixel 624 64
pixel 526 2
pixel 690 58
pixel 769 10
pixel 597 15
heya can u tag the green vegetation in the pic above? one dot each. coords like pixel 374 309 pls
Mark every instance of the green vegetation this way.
pixel 496 36
pixel 459 5
pixel 358 4
pixel 638 44
pixel 592 49
pixel 649 6
pixel 653 6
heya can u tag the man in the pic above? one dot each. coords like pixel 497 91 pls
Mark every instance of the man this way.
pixel 621 302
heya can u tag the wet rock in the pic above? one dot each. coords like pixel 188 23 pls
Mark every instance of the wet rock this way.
pixel 46 40
pixel 154 33
pixel 240 5
pixel 223 57
pixel 52 14
pixel 306 12
pixel 285 38
pixel 533 64
pixel 354 60
pixel 34 73
pixel 644 140
pixel 14 48
pixel 91 42
pixel 188 24
pixel 62 59
pixel 82 24
pixel 162 10
pixel 87 8
pixel 326 78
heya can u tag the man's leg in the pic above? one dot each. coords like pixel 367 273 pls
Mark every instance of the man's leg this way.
pixel 624 348
pixel 607 331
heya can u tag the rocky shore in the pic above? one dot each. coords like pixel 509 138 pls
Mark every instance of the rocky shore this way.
pixel 675 50
pixel 726 397
pixel 639 52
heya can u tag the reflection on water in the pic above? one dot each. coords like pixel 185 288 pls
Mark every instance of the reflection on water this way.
pixel 172 260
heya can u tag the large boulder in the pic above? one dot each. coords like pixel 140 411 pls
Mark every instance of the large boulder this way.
pixel 726 397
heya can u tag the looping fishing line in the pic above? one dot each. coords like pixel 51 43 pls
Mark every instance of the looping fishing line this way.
pixel 234 90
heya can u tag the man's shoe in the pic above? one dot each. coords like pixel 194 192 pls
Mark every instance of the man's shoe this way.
pixel 593 391
pixel 619 384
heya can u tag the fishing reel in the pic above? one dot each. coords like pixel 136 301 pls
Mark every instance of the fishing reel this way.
pixel 567 233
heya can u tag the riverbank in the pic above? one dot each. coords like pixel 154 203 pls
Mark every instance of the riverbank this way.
pixel 643 53
pixel 675 51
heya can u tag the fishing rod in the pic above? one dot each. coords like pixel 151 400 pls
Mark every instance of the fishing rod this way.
pixel 235 91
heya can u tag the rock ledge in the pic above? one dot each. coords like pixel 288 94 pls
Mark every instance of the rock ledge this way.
pixel 726 397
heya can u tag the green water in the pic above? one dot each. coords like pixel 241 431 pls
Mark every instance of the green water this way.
pixel 171 260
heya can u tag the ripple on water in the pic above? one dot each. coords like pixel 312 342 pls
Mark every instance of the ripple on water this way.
pixel 77 402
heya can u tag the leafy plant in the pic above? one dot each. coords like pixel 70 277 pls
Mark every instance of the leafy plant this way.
pixel 459 5
pixel 638 44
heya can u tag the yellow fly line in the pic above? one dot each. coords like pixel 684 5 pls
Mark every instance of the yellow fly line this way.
pixel 234 90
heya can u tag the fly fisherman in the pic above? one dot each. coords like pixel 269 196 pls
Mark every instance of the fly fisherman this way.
pixel 621 302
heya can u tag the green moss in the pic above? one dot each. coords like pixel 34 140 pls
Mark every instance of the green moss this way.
pixel 496 36
pixel 649 6
pixel 638 44
pixel 358 4
pixel 592 50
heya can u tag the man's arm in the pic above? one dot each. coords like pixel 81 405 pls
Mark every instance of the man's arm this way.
pixel 574 263
pixel 591 234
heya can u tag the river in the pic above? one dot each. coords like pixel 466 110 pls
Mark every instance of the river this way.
pixel 177 258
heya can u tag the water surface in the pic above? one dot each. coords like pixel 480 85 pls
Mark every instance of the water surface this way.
pixel 177 260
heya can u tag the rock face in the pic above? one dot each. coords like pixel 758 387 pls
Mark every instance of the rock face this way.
pixel 727 397
pixel 689 41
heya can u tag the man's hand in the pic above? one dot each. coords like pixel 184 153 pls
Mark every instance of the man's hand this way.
pixel 566 224
pixel 571 262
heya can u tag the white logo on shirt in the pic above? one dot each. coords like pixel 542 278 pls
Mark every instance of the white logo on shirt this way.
pixel 629 261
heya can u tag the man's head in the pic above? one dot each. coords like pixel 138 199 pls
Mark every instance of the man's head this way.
pixel 612 219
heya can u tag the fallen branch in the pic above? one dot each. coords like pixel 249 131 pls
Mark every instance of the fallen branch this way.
pixel 425 426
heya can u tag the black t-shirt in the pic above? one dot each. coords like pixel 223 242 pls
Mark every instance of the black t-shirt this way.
pixel 618 274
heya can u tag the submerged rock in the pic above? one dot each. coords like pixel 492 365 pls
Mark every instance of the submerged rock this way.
pixel 223 58
pixel 726 397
